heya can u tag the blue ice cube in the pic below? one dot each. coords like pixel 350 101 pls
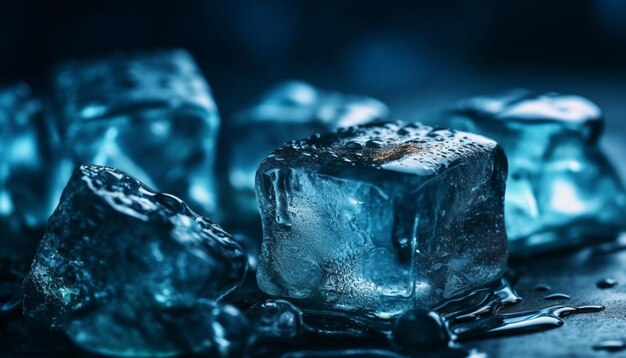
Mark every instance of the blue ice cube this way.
pixel 150 114
pixel 381 217
pixel 561 191
pixel 291 110
pixel 27 156
pixel 113 242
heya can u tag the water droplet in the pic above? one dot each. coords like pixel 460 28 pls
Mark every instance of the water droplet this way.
pixel 542 288
pixel 556 296
pixel 606 283
pixel 354 145
pixel 373 143
pixel 611 345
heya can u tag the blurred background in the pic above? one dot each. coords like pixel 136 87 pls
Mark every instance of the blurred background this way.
pixel 416 56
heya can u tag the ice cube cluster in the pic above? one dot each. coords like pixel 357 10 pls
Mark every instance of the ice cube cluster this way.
pixel 381 217
pixel 561 191
pixel 367 225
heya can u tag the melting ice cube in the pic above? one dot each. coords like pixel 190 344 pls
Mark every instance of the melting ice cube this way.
pixel 381 217
pixel 113 244
pixel 562 191
pixel 27 156
pixel 290 110
pixel 149 114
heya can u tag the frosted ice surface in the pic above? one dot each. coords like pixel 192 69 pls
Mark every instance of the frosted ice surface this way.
pixel 380 217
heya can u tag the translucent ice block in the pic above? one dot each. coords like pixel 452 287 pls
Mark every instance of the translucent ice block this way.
pixel 27 162
pixel 562 191
pixel 113 244
pixel 381 217
pixel 150 114
pixel 291 110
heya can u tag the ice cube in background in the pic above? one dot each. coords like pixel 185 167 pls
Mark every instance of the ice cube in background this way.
pixel 205 328
pixel 27 161
pixel 114 244
pixel 381 217
pixel 290 110
pixel 150 114
pixel 561 191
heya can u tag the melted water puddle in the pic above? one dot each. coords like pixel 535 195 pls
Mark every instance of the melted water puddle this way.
pixel 483 319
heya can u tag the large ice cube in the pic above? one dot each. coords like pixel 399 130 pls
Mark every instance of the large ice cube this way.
pixel 381 217
pixel 27 157
pixel 291 110
pixel 149 114
pixel 562 191
pixel 112 240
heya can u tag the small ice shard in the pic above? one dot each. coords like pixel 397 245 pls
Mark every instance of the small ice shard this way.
pixel 381 217
pixel 290 110
pixel 205 327
pixel 561 190
pixel 27 156
pixel 150 114
pixel 112 241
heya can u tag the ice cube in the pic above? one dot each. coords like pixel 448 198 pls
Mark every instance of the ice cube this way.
pixel 561 191
pixel 290 110
pixel 150 114
pixel 27 156
pixel 206 328
pixel 381 217
pixel 113 240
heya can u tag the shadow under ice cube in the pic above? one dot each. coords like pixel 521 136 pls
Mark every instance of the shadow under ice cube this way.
pixel 561 191
pixel 114 245
pixel 149 114
pixel 381 217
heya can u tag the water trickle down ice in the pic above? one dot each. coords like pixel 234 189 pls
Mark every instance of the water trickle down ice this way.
pixel 150 114
pixel 291 110
pixel 117 256
pixel 562 191
pixel 381 217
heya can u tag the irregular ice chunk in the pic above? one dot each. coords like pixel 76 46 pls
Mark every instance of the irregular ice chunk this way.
pixel 206 328
pixel 27 156
pixel 291 110
pixel 151 115
pixel 381 217
pixel 112 239
pixel 561 191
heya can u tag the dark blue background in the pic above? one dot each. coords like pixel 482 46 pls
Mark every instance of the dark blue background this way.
pixel 417 56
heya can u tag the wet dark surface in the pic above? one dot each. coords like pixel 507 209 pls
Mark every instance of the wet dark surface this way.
pixel 576 275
